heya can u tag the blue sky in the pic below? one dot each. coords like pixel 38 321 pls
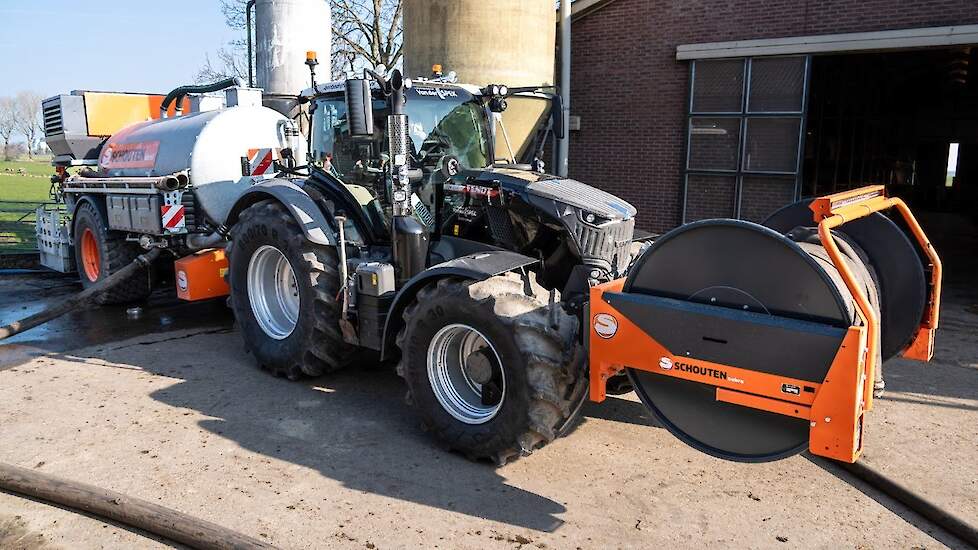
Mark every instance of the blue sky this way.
pixel 55 46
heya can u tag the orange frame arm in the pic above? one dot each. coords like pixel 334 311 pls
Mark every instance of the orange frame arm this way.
pixel 835 210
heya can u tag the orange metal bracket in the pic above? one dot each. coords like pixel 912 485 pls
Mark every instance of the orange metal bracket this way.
pixel 838 410
pixel 835 210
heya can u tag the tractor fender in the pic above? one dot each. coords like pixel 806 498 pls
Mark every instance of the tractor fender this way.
pixel 303 208
pixel 478 267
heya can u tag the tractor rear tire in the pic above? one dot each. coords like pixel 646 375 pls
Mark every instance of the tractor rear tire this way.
pixel 100 252
pixel 308 340
pixel 538 380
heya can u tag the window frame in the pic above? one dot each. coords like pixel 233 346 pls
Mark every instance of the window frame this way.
pixel 744 115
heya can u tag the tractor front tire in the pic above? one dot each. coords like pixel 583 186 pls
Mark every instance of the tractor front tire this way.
pixel 100 252
pixel 283 294
pixel 492 367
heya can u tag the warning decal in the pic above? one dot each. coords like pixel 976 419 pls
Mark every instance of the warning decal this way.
pixel 129 155
pixel 260 161
pixel 173 218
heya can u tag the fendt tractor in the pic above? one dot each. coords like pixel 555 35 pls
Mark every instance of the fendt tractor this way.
pixel 382 217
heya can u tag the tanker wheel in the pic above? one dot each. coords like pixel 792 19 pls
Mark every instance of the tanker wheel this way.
pixel 100 252
pixel 493 372
pixel 283 294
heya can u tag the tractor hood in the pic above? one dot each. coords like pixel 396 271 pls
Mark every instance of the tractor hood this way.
pixel 527 184
pixel 601 225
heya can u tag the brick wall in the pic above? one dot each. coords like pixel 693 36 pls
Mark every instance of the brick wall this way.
pixel 631 93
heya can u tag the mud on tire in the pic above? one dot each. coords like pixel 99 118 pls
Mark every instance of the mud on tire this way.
pixel 537 346
pixel 107 252
pixel 315 346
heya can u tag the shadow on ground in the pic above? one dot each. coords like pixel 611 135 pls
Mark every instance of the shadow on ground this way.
pixel 353 427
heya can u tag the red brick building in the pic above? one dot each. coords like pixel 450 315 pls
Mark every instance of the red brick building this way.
pixel 692 109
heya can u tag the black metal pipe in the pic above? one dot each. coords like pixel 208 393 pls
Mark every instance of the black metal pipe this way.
pixel 177 94
pixel 248 24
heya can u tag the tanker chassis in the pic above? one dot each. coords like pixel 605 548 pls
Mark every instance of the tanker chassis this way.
pixel 506 296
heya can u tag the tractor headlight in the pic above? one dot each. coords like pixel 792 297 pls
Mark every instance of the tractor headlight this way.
pixel 592 218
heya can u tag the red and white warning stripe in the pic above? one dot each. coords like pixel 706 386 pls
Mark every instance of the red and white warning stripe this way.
pixel 173 219
pixel 260 160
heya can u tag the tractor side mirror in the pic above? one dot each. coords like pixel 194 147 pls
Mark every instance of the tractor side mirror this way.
pixel 359 108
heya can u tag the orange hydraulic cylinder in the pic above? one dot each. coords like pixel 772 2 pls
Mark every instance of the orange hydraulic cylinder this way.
pixel 201 276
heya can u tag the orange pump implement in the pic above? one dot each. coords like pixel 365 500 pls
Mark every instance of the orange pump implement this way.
pixel 834 406
pixel 201 276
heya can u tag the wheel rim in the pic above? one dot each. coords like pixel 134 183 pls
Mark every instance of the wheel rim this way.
pixel 90 257
pixel 450 371
pixel 273 292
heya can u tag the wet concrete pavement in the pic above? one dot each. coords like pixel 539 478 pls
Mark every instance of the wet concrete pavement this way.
pixel 24 293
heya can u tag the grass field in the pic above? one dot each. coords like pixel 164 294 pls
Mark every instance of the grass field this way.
pixel 20 193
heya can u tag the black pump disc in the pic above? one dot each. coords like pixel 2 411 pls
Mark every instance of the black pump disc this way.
pixel 896 264
pixel 746 267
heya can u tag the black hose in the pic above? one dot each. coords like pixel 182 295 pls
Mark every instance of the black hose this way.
pixel 80 299
pixel 943 518
pixel 134 512
pixel 177 94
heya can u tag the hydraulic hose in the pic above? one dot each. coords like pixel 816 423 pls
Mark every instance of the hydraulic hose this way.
pixel 134 512
pixel 80 299
pixel 946 519
pixel 178 93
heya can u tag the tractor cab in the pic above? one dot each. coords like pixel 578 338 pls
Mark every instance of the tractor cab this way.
pixel 455 132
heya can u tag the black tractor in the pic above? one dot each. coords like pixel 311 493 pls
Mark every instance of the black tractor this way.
pixel 410 233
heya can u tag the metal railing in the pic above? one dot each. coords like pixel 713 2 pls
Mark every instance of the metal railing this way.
pixel 17 226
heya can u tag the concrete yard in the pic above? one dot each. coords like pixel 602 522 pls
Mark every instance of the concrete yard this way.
pixel 180 415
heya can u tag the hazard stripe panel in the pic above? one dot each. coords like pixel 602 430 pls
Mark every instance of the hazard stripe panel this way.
pixel 173 217
pixel 260 160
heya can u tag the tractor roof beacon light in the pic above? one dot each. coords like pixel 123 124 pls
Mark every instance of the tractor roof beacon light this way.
pixel 436 70
pixel 311 62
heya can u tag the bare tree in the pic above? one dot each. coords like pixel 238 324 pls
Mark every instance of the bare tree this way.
pixel 8 124
pixel 27 118
pixel 366 33
pixel 232 60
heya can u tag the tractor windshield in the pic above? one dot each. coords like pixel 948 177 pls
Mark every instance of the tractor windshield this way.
pixel 438 127
pixel 440 124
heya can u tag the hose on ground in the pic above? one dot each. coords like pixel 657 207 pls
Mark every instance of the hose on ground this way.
pixel 134 512
pixel 143 260
pixel 940 516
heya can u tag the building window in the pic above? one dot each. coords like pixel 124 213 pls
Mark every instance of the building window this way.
pixel 746 122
